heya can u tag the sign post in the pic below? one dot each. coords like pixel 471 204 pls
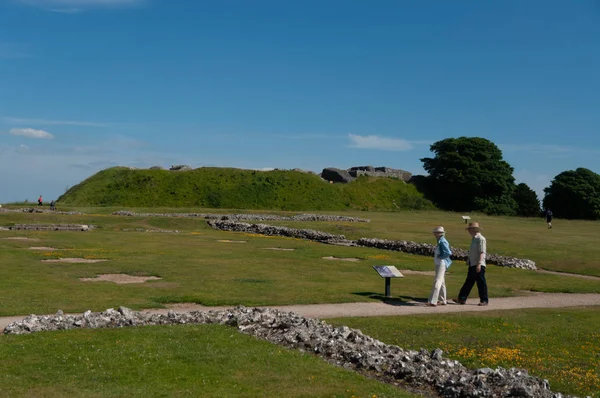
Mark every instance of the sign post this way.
pixel 388 272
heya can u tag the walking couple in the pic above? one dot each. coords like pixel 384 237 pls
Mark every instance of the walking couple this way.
pixel 475 261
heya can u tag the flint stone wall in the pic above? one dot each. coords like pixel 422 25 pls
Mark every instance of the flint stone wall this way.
pixel 39 210
pixel 380 172
pixel 50 227
pixel 180 167
pixel 248 217
pixel 166 231
pixel 272 230
pixel 424 249
pixel 421 371
pixel 346 176
pixel 427 249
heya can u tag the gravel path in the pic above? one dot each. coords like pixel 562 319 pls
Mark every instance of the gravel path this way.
pixel 398 307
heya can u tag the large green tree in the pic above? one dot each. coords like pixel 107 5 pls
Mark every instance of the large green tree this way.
pixel 469 174
pixel 574 194
pixel 528 204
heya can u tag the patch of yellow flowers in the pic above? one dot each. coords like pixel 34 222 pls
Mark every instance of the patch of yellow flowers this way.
pixel 585 378
pixel 94 253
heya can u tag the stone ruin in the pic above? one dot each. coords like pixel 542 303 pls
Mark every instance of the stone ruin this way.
pixel 349 175
pixel 51 227
pixel 427 249
pixel 424 249
pixel 180 167
pixel 248 217
pixel 426 372
pixel 39 210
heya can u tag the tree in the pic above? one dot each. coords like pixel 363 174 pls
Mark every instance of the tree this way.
pixel 528 204
pixel 469 174
pixel 574 194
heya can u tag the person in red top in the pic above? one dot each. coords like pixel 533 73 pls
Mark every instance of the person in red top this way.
pixel 40 201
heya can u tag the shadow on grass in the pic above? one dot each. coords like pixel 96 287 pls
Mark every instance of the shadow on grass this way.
pixel 400 301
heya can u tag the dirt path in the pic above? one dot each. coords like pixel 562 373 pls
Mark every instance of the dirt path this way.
pixel 589 277
pixel 397 307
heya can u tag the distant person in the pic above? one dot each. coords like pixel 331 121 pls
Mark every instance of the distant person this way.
pixel 476 263
pixel 442 261
pixel 40 201
pixel 53 205
pixel 548 214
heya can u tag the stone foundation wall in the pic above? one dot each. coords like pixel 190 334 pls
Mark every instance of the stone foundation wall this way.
pixel 50 227
pixel 41 209
pixel 247 217
pixel 424 249
pixel 428 372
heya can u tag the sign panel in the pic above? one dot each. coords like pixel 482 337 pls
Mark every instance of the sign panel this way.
pixel 388 271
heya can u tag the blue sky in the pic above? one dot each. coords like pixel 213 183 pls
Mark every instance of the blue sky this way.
pixel 89 84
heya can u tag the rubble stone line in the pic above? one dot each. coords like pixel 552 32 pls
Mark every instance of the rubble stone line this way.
pixel 424 249
pixel 248 217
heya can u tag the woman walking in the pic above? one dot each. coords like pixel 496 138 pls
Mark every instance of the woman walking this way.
pixel 442 262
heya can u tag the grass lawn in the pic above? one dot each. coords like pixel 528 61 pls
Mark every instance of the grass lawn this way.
pixel 170 361
pixel 195 267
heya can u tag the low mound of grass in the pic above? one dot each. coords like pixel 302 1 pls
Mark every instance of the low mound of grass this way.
pixel 240 189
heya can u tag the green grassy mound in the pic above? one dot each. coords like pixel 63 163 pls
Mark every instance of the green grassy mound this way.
pixel 240 189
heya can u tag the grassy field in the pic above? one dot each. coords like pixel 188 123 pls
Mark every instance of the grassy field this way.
pixel 170 361
pixel 196 267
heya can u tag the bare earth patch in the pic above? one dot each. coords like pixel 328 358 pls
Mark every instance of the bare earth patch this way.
pixel 231 241
pixel 280 249
pixel 21 238
pixel 120 279
pixel 352 259
pixel 75 260
pixel 43 248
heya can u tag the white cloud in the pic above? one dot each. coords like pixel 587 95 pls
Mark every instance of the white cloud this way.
pixel 32 133
pixel 380 143
pixel 53 122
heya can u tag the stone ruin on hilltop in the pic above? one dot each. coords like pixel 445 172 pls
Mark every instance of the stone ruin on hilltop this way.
pixel 349 175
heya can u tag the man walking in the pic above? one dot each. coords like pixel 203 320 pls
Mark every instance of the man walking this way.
pixel 548 214
pixel 476 263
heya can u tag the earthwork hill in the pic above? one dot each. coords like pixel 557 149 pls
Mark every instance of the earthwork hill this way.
pixel 362 188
